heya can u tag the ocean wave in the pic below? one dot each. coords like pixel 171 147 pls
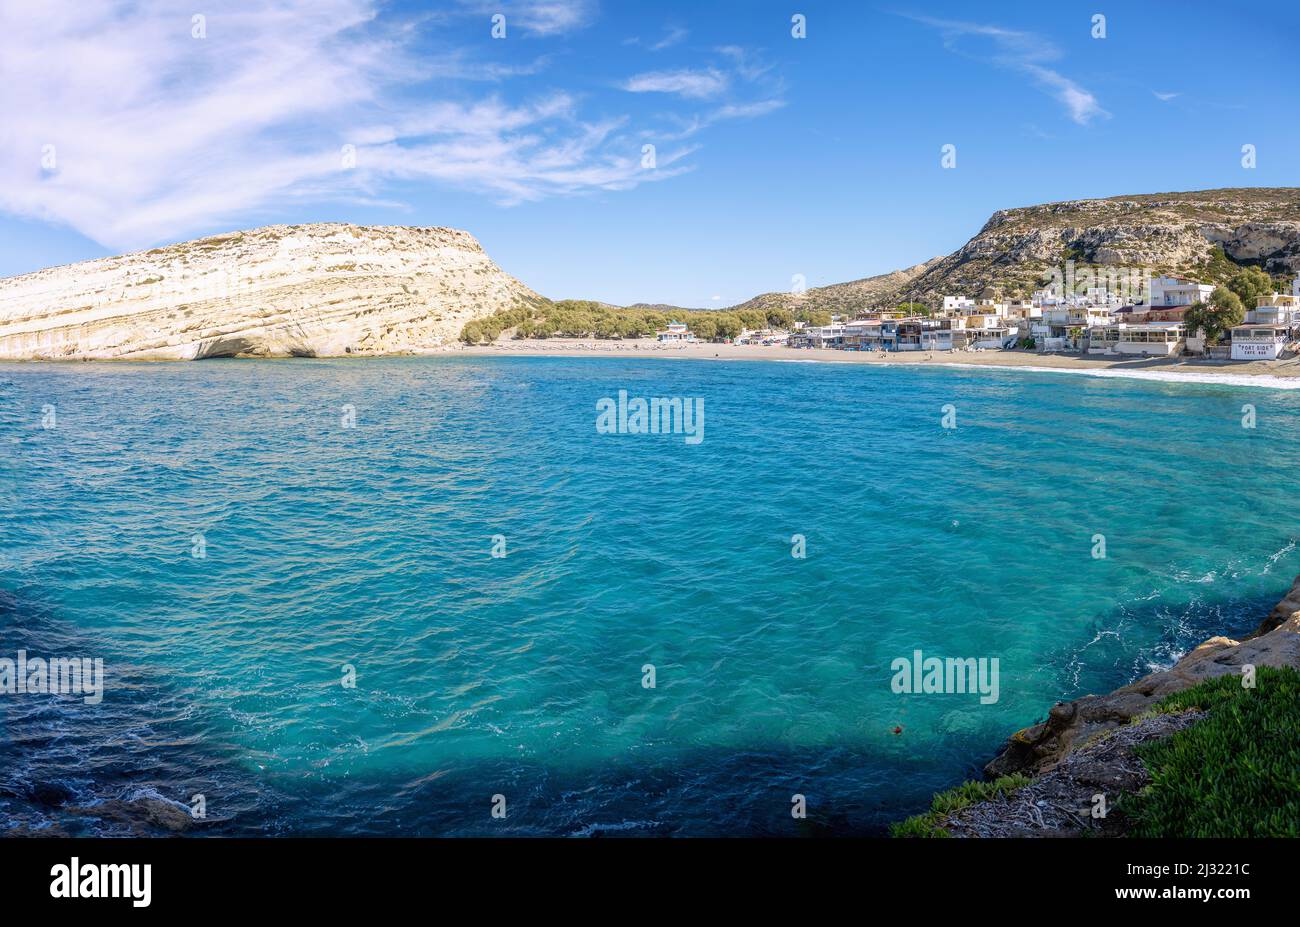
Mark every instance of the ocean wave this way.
pixel 1263 381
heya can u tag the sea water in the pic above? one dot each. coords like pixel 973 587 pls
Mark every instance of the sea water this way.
pixel 430 596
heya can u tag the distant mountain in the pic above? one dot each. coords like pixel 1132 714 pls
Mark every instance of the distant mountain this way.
pixel 844 297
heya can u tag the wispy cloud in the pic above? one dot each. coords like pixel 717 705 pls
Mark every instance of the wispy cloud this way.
pixel 1164 97
pixel 744 61
pixel 1026 52
pixel 674 35
pixel 118 122
pixel 736 85
pixel 538 17
pixel 693 84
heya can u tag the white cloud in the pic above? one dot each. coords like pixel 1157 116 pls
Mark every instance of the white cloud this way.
pixel 1079 103
pixel 692 84
pixel 747 110
pixel 1028 53
pixel 157 134
pixel 744 62
pixel 1165 97
pixel 737 68
pixel 673 36
pixel 538 17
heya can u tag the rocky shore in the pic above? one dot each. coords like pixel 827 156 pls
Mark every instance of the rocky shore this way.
pixel 1087 746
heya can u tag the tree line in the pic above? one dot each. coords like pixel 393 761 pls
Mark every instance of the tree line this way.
pixel 576 318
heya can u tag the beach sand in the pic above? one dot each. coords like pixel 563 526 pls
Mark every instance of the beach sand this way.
pixel 1283 374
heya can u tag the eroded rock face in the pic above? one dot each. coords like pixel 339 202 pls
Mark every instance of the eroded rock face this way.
pixel 1019 249
pixel 307 290
pixel 1060 802
pixel 1157 233
pixel 1041 747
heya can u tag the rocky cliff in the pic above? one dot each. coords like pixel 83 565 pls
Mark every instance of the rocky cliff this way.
pixel 1173 233
pixel 306 290
pixel 1161 233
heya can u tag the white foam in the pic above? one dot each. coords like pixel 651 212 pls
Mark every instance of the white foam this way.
pixel 795 360
pixel 1263 381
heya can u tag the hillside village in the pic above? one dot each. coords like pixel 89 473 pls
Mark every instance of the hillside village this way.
pixel 1164 322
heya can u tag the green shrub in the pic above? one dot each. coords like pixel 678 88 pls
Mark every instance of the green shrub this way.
pixel 954 799
pixel 1236 773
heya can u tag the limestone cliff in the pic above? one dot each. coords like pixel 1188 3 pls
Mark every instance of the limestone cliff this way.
pixel 322 290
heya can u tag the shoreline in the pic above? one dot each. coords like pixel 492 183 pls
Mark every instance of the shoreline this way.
pixel 1278 374
pixel 1282 374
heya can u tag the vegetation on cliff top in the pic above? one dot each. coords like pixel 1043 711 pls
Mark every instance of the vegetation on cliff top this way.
pixel 1234 774
pixel 953 800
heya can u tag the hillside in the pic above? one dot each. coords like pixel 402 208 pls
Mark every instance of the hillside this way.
pixel 307 290
pixel 333 289
pixel 1161 232
pixel 842 297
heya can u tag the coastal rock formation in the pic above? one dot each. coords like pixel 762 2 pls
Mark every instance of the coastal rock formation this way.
pixel 1040 748
pixel 1059 803
pixel 139 816
pixel 305 290
pixel 1160 233
pixel 1091 746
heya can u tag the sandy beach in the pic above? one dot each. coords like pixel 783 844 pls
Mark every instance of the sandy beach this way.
pixel 1282 374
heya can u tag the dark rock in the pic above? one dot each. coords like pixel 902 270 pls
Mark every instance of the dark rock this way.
pixel 50 794
pixel 142 816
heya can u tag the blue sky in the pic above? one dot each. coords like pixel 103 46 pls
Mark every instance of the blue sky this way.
pixel 774 156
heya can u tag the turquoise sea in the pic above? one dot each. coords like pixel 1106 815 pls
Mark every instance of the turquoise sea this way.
pixel 522 676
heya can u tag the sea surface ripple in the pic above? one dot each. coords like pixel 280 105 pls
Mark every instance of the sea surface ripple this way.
pixel 521 676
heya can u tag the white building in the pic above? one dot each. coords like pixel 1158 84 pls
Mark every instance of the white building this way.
pixel 762 336
pixel 675 333
pixel 1275 309
pixel 1170 291
pixel 1146 339
pixel 1047 296
pixel 957 303
pixel 1101 296
pixel 1259 342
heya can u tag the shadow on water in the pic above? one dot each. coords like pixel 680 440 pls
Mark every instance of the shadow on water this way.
pixel 67 767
